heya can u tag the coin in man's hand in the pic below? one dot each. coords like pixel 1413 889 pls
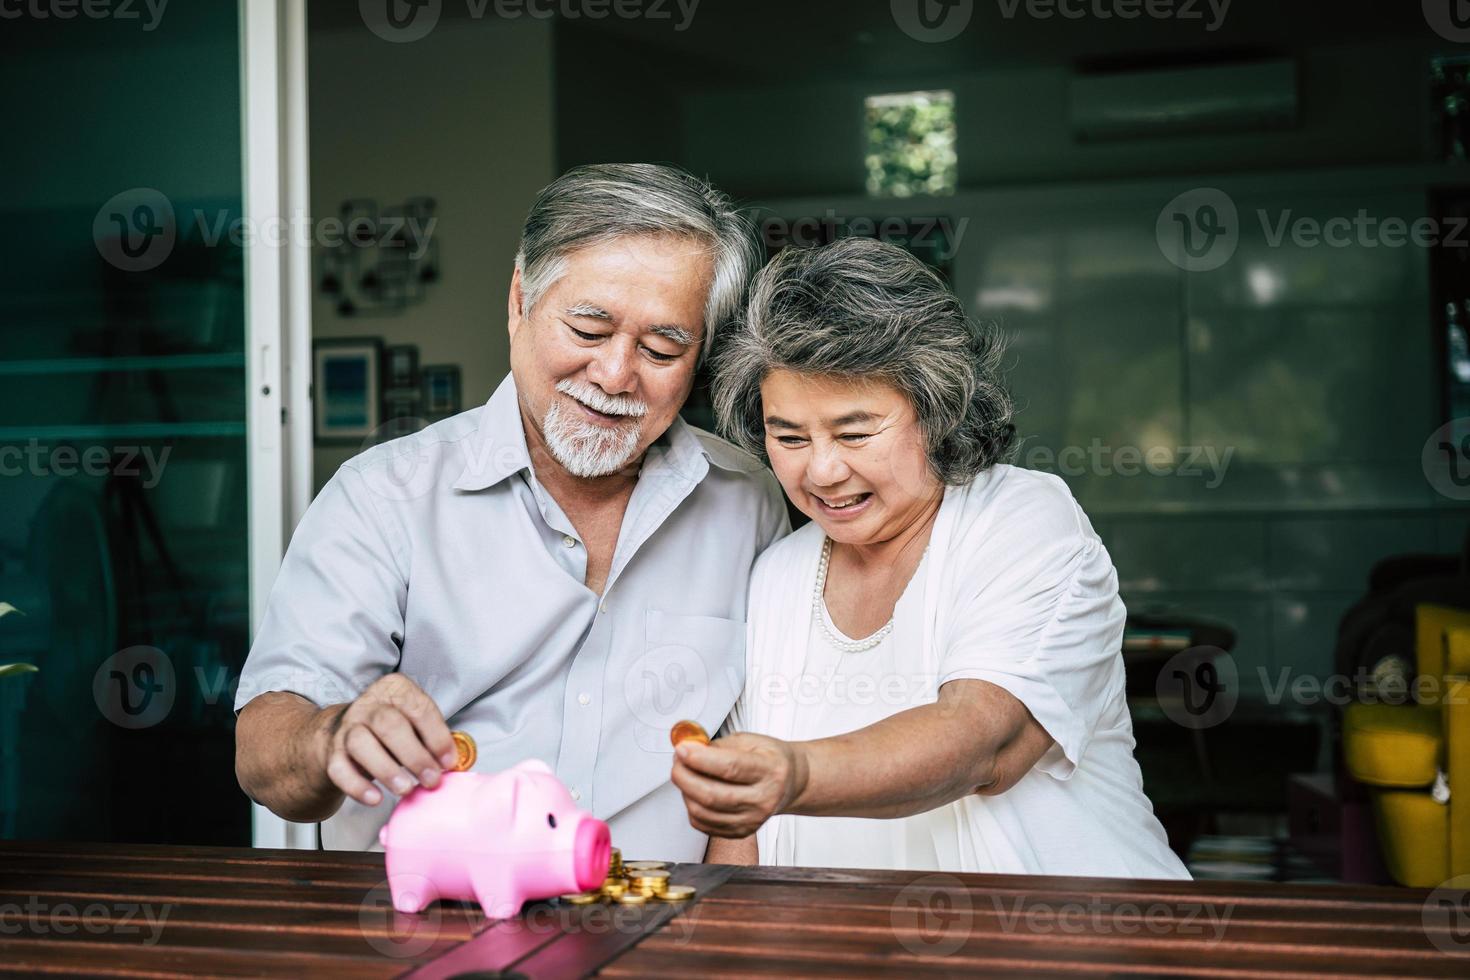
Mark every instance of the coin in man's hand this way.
pixel 464 751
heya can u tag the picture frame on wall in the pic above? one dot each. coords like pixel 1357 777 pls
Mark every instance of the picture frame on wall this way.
pixel 346 388
pixel 442 394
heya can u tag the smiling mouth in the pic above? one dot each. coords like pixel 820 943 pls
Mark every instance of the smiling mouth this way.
pixel 843 503
pixel 605 418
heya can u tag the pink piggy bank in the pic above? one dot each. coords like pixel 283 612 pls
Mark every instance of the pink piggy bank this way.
pixel 499 839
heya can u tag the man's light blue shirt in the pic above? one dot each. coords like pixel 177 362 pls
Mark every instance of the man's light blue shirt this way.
pixel 440 556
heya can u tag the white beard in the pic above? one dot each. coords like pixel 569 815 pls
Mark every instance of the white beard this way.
pixel 587 450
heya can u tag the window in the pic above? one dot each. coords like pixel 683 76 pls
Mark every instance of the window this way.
pixel 911 144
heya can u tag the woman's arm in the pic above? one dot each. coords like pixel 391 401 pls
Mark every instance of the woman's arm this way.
pixel 976 738
pixel 723 850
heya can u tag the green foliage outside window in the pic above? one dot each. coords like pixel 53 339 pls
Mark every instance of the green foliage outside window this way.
pixel 911 144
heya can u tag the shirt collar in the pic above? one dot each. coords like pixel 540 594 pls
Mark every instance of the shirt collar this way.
pixel 498 447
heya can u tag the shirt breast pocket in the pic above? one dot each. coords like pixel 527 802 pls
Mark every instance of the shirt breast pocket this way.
pixel 691 667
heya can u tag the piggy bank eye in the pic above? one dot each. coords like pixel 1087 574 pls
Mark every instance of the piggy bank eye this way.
pixel 551 819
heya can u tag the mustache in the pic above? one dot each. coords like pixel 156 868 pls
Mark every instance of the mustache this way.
pixel 598 400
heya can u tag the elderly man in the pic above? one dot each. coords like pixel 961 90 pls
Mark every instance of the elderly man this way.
pixel 561 572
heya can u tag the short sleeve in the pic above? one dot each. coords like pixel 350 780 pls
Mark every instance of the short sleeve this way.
pixel 1046 627
pixel 334 618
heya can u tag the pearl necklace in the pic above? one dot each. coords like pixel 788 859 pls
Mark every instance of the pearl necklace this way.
pixel 841 642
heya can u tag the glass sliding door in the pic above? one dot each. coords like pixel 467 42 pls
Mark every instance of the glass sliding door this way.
pixel 126 496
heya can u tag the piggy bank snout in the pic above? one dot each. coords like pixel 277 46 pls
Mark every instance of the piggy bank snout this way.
pixel 591 853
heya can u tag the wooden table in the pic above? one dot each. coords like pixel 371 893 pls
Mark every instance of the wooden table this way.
pixel 113 910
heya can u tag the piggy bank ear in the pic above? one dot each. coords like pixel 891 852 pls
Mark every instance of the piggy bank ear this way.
pixel 534 765
pixel 504 791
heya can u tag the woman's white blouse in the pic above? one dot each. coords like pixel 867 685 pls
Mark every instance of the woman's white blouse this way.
pixel 1016 590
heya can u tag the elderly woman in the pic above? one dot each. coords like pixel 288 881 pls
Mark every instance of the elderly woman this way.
pixel 933 670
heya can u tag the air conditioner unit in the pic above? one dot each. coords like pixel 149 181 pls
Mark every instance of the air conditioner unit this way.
pixel 1216 99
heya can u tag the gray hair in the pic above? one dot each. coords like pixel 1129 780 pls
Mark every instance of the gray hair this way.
pixel 865 309
pixel 595 204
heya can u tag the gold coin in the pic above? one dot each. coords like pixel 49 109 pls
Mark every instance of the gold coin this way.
pixel 464 750
pixel 677 893
pixel 581 898
pixel 687 729
pixel 653 874
pixel 644 865
pixel 631 899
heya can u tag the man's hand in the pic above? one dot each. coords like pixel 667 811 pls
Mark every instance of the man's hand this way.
pixel 735 784
pixel 393 733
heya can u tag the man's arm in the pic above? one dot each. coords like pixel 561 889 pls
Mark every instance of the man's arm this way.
pixel 335 615
pixel 301 761
pixel 280 739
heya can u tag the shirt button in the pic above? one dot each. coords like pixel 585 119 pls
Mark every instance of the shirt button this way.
pixel 602 607
pixel 569 541
pixel 583 699
pixel 576 793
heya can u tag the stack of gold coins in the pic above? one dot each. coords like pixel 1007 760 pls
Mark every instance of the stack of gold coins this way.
pixel 633 883
pixel 629 867
pixel 581 898
pixel 649 884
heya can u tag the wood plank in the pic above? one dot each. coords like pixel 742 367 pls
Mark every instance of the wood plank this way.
pixel 765 949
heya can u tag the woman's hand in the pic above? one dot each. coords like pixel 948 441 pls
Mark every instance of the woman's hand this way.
pixel 735 784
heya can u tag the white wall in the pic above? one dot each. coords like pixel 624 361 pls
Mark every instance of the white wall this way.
pixel 464 115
